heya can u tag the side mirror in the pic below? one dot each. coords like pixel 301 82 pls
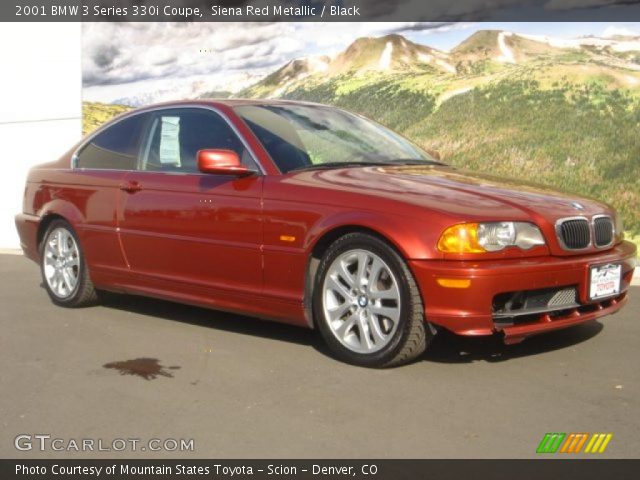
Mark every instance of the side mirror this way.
pixel 221 162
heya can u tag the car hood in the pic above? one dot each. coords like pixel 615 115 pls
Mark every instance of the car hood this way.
pixel 462 194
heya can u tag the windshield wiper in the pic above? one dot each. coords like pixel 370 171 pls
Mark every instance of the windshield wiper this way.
pixel 329 165
pixel 367 163
pixel 415 161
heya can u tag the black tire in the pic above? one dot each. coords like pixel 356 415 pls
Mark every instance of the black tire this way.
pixel 411 336
pixel 83 294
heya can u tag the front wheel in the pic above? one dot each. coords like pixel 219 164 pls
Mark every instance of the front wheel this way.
pixel 64 270
pixel 367 305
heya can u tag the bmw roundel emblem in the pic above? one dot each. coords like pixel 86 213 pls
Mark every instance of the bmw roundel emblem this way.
pixel 577 206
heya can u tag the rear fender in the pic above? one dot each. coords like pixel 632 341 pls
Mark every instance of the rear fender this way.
pixel 64 209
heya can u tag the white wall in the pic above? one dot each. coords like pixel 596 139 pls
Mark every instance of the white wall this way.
pixel 40 106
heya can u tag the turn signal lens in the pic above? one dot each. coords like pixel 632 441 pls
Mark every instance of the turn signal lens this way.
pixel 461 238
pixel 454 282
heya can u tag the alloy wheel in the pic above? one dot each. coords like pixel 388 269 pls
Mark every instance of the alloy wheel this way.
pixel 361 301
pixel 61 265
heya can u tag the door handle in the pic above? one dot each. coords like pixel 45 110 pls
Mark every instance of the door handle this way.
pixel 130 186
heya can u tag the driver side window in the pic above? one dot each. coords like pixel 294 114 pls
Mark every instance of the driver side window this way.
pixel 174 137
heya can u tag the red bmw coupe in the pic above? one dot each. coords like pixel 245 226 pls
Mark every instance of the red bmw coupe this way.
pixel 310 215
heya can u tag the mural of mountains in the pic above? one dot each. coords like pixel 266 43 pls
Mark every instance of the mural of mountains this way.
pixel 485 56
pixel 563 112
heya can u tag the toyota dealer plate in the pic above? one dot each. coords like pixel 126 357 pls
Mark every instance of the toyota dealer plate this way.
pixel 605 281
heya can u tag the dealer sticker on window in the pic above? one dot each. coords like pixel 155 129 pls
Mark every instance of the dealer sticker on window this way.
pixel 605 280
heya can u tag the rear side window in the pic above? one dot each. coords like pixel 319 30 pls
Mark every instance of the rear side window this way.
pixel 116 148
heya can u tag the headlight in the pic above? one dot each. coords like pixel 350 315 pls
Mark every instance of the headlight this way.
pixel 489 237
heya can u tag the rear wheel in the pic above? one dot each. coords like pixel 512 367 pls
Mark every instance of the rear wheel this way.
pixel 367 305
pixel 64 270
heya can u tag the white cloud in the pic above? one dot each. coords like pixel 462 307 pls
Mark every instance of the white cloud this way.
pixel 121 53
pixel 615 30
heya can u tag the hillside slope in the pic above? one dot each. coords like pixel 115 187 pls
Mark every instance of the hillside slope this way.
pixel 96 114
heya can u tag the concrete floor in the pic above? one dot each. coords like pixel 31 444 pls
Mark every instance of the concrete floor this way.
pixel 244 388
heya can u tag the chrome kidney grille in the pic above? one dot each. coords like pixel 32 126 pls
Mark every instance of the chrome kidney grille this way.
pixel 574 233
pixel 577 233
pixel 602 231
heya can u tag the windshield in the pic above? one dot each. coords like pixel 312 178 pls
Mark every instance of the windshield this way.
pixel 313 136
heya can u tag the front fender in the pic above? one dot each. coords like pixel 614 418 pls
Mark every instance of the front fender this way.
pixel 413 239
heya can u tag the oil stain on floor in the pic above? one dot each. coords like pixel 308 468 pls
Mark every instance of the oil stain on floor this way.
pixel 147 368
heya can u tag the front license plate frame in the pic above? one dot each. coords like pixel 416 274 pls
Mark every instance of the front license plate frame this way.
pixel 604 280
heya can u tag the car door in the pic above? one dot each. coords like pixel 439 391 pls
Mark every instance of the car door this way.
pixel 99 166
pixel 186 231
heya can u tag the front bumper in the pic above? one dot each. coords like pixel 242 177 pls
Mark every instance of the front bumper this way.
pixel 467 309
